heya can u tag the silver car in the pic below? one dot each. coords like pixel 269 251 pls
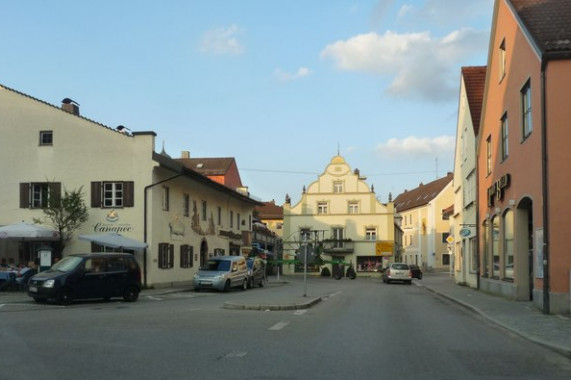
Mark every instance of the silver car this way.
pixel 398 272
pixel 222 273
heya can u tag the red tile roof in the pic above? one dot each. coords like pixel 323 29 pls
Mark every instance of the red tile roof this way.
pixel 548 22
pixel 422 195
pixel 270 211
pixel 208 166
pixel 475 81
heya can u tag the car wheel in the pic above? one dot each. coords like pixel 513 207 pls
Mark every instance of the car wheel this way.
pixel 227 286
pixel 65 297
pixel 409 282
pixel 131 294
pixel 197 289
pixel 420 276
pixel 262 283
pixel 245 285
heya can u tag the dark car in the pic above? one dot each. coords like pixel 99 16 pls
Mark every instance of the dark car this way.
pixel 23 277
pixel 416 271
pixel 256 272
pixel 87 276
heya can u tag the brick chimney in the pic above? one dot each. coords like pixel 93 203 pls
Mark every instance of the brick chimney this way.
pixel 185 154
pixel 70 106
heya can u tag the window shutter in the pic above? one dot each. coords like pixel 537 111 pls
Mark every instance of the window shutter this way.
pixel 96 194
pixel 24 195
pixel 55 193
pixel 129 194
pixel 171 255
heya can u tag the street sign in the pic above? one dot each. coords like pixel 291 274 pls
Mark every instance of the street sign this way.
pixel 384 248
pixel 450 239
pixel 465 232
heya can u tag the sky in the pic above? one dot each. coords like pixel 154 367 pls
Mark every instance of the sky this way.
pixel 282 86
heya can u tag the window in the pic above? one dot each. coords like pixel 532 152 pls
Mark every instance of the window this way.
pixel 496 247
pixel 204 210
pixel 166 198
pixel 166 255
pixel 46 137
pixel 322 207
pixel 337 234
pixel 371 233
pixel 337 187
pixel 485 248
pixel 112 194
pixel 39 194
pixel 231 219
pixel 489 155
pixel 469 189
pixel 527 125
pixel 186 255
pixel 509 244
pixel 502 60
pixel 219 215
pixel 473 255
pixel 505 143
pixel 186 204
pixel 444 237
pixel 353 207
pixel 238 220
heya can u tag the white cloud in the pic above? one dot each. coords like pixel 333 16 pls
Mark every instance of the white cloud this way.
pixel 222 41
pixel 286 77
pixel 421 65
pixel 417 147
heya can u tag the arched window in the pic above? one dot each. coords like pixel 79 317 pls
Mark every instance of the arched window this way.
pixel 509 244
pixel 496 247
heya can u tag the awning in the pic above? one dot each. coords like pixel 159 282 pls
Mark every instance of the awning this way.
pixel 113 240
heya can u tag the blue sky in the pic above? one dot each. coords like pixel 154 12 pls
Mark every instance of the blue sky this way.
pixel 281 86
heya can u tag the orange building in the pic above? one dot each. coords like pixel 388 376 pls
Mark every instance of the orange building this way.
pixel 522 154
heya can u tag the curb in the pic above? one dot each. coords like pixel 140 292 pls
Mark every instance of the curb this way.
pixel 265 307
pixel 558 349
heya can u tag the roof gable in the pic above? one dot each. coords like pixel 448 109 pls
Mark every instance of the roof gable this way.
pixel 421 195
pixel 474 82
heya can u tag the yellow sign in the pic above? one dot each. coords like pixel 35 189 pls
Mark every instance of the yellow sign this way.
pixel 450 239
pixel 384 248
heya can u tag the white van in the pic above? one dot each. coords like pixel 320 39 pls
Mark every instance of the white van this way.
pixel 222 273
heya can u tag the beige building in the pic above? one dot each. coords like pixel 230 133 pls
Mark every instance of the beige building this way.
pixel 183 216
pixel 464 220
pixel 340 216
pixel 425 227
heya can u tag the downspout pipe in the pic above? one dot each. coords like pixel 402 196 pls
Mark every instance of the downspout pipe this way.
pixel 544 189
pixel 145 221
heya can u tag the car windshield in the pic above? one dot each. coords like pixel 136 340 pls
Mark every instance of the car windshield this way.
pixel 400 266
pixel 217 265
pixel 67 264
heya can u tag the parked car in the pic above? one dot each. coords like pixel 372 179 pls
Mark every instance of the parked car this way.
pixel 87 276
pixel 23 277
pixel 222 273
pixel 416 271
pixel 398 272
pixel 256 272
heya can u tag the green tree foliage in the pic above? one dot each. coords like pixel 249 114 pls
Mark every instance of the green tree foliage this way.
pixel 66 214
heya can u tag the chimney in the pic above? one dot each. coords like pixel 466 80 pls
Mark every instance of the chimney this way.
pixel 70 106
pixel 185 154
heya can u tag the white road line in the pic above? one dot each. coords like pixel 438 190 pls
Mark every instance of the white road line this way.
pixel 279 326
pixel 154 298
pixel 300 312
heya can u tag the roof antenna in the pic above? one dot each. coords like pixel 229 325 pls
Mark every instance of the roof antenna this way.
pixel 338 150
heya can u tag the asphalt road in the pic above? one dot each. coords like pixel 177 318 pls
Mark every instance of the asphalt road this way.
pixel 363 329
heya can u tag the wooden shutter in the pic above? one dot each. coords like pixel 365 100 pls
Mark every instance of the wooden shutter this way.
pixel 96 194
pixel 24 195
pixel 55 193
pixel 171 255
pixel 128 194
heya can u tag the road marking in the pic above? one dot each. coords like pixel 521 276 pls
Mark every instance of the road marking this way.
pixel 300 312
pixel 236 354
pixel 331 295
pixel 154 298
pixel 279 326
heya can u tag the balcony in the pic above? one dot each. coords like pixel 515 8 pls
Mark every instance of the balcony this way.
pixel 337 246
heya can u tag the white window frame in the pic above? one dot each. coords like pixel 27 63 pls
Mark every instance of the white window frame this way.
pixel 113 194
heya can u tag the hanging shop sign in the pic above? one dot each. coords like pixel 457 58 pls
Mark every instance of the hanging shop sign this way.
pixel 496 191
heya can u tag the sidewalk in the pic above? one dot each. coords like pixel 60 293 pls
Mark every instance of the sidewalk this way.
pixel 520 317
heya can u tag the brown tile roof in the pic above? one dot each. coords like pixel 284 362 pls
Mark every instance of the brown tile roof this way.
pixel 421 195
pixel 548 22
pixel 208 166
pixel 270 211
pixel 475 81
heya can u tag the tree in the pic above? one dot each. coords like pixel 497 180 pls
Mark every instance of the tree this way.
pixel 66 214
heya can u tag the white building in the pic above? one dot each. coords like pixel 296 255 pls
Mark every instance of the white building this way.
pixel 128 187
pixel 340 216
pixel 464 221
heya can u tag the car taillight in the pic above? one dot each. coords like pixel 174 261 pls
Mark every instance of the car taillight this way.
pixel 410 273
pixel 388 272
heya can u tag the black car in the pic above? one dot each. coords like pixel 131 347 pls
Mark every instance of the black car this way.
pixel 416 271
pixel 256 272
pixel 90 275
